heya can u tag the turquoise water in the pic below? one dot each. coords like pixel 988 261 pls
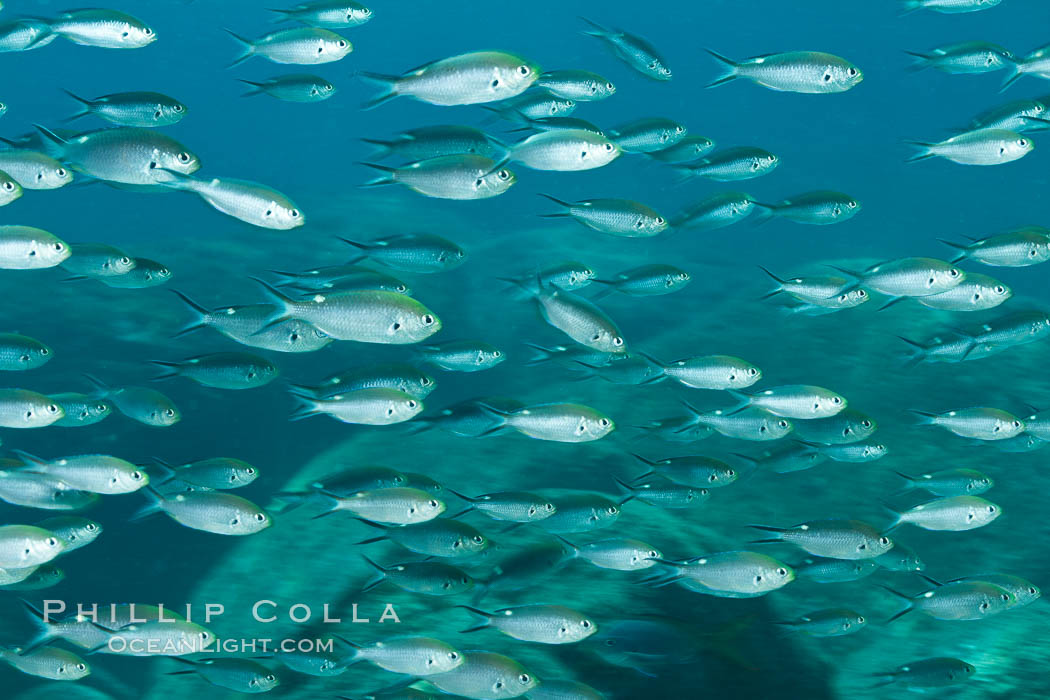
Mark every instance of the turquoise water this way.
pixel 852 142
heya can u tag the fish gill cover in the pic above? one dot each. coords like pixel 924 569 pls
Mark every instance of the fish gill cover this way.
pixel 568 350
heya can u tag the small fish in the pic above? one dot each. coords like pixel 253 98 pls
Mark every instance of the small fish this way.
pixel 715 372
pixel 954 347
pixel 219 473
pixel 23 546
pixel 415 252
pixel 145 405
pixel 25 34
pixel 223 370
pixel 847 427
pixel 819 208
pixel 250 325
pixel 616 554
pixel 102 474
pixel 435 141
pixel 401 377
pixel 1018 248
pixel 748 424
pixel 834 622
pixel 147 109
pixel 909 277
pixel 250 202
pixel 657 490
pixel 425 577
pixel 688 149
pixel 483 674
pixel 557 422
pixel 950 482
pixel 48 662
pixel 210 511
pixel 512 506
pixel 365 316
pixel 471 418
pixel 823 570
pixel 648 280
pixel 581 512
pixel 96 260
pixel 693 471
pixel 835 539
pixel 460 177
pixel 397 505
pixel 948 6
pixel 543 624
pixel 33 171
pixel 156 638
pixel 126 155
pixel 979 147
pixel 810 72
pixel 531 105
pixel 19 352
pixel 959 600
pixel 145 273
pixel 442 537
pixel 965 57
pixel 1019 116
pixel 564 690
pixel 940 671
pixel 10 190
pixel 301 46
pixel 1014 329
pixel 856 453
pixel 41 578
pixel 579 85
pixel 23 488
pixel 320 663
pixel 341 278
pixel 955 513
pixel 976 293
pixel 796 457
pixel 294 87
pixel 570 276
pixel 241 675
pixel 616 217
pixel 74 531
pixel 900 558
pixel 715 212
pixel 732 164
pixel 648 135
pixel 107 29
pixel 978 423
pixel 470 78
pixel 564 150
pixel 633 50
pixel 350 481
pixel 736 574
pixel 412 656
pixel 377 406
pixel 795 401
pixel 580 319
pixel 328 13
pixel 21 408
pixel 624 368
pixel 1024 591
pixel 555 123
pixel 29 248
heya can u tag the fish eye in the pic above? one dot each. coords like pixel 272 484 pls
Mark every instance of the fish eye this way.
pixel 1005 596
pixel 851 204
pixel 866 423
pixel 260 517
pixel 1033 590
pixel 342 44
pixel 836 400
pixel 953 272
pixel 428 320
pixel 147 31
pixel 52 542
pixel 660 221
pixel 586 624
pixel 136 476
pixel 524 70
pixel 612 510
pixel 91 527
pixel 477 539
pixel 1022 142
pixel 177 108
pixel 294 213
pixel 367 12
pixel 52 408
pixel 608 147
pixel 525 678
pixel 782 423
pixel 184 157
pixel 503 174
pixel 884 540
pixel 61 172
pixel 991 509
pixel 851 72
pixel 604 422
pixel 781 571
pixel 1000 289
pixel 9 186
pixel 617 341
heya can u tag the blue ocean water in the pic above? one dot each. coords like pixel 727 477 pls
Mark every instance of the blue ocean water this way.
pixel 852 142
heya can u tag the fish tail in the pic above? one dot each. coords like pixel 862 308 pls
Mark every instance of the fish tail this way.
pixel 921 61
pixel 926 151
pixel 385 148
pixel 154 506
pixel 247 49
pixel 277 298
pixel 307 407
pixel 389 83
pixel 890 302
pixel 1016 72
pixel 199 311
pixel 556 201
pixel 767 528
pixel 257 91
pixel 596 29
pixel 909 6
pixel 388 180
pixel 900 595
pixel 331 501
pixel 625 487
pixel 486 622
pixel 78 115
pixel 924 417
pixel 171 366
pixel 51 136
pixel 466 498
pixel 45 632
pixel 730 68
pixel 916 357
pixel 167 472
pixel 545 354
pixel 101 389
pixel 643 460
pixel 359 246
pixel 77 97
pixel 572 547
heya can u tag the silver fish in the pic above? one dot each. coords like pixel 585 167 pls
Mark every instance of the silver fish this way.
pixel 617 217
pixel 811 72
pixel 29 248
pixel 749 424
pixel 1018 248
pixel 250 325
pixel 425 577
pixel 23 546
pixel 633 50
pixel 616 554
pixel 795 401
pixel 715 212
pixel 648 280
pixel 558 422
pixel 412 656
pixel 25 34
pixel 460 177
pixel 848 426
pixel 690 148
pixel 486 676
pixel 102 474
pixel 145 405
pixel 978 147
pixel 543 624
pixel 33 170
pixel 1019 116
pixel 731 164
pixel 214 473
pixel 979 423
pixel 302 46
pixel 823 570
pixel 940 671
pixel 22 488
pixel 434 141
pixel 442 537
pixel 965 57
pixel 147 109
pixel 716 372
pixel 404 378
pixel 512 506
pixel 328 13
pixel 397 505
pixel 736 574
pixel 209 511
pixel 819 208
pixel 856 453
pixel 976 293
pixel 948 6
pixel 298 87
pixel 250 202
pixel 959 600
pixel 1023 591
pixel 21 408
pixel 833 622
pixel 955 513
pixel 658 490
pixel 462 355
pixel 376 406
pixel 950 482
pixel 74 531
pixel 107 29
pixel 579 85
pixel 835 539
pixel 692 470
pixel 125 155
pixel 413 252
pixel 648 135
pixel 910 277
pixel 48 662
pixel 20 352
pixel 341 278
pixel 145 273
pixel 565 150
pixel 97 260
pixel 470 78
pixel 241 675
pixel 222 370
pixel 531 105
pixel 581 512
